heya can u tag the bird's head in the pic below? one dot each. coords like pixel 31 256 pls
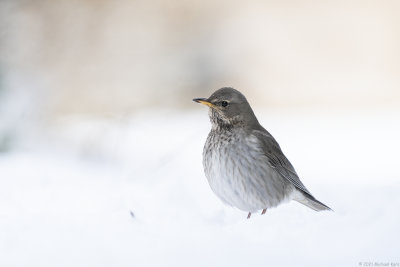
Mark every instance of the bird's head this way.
pixel 228 108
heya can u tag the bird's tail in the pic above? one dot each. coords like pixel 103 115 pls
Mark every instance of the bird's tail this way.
pixel 310 201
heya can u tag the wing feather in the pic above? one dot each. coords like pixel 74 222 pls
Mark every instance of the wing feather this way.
pixel 277 159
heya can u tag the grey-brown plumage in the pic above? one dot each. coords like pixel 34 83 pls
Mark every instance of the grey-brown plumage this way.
pixel 243 163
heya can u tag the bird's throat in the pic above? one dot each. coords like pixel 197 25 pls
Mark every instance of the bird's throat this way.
pixel 220 123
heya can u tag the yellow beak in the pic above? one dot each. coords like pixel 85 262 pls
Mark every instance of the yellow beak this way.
pixel 204 102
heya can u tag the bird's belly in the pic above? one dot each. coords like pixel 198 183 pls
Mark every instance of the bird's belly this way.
pixel 241 177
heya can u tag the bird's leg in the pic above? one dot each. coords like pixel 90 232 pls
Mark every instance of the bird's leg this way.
pixel 249 215
pixel 263 211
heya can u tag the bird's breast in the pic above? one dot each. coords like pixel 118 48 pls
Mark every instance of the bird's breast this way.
pixel 238 172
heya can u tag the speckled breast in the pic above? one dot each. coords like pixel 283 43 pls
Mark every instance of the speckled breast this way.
pixel 239 173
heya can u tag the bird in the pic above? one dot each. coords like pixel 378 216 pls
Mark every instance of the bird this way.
pixel 243 163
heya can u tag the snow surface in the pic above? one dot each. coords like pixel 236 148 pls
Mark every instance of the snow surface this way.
pixel 67 192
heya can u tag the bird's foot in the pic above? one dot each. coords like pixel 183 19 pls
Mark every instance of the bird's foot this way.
pixel 263 211
pixel 249 215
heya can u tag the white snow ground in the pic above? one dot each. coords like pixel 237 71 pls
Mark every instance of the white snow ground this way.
pixel 66 193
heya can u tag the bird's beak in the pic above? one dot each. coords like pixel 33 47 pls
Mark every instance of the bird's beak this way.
pixel 204 102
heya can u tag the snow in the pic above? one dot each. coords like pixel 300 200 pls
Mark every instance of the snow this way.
pixel 67 191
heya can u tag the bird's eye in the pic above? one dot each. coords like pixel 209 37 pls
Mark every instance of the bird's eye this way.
pixel 224 103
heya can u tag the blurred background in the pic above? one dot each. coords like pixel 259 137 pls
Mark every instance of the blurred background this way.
pixel 96 117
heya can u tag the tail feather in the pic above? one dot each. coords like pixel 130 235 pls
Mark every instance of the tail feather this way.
pixel 310 201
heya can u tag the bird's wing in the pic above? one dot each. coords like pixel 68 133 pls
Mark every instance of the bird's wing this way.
pixel 277 159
